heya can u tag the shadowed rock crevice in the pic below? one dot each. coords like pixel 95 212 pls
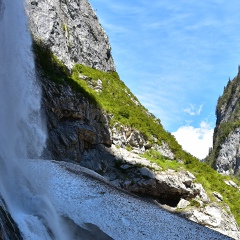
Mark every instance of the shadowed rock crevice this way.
pixel 87 231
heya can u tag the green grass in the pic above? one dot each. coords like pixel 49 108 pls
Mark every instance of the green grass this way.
pixel 208 177
pixel 163 162
pixel 52 68
pixel 117 100
pixel 213 181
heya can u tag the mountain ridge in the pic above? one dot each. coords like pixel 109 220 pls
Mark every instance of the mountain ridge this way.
pixel 224 156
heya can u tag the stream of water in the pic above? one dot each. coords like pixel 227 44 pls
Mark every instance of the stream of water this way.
pixel 22 131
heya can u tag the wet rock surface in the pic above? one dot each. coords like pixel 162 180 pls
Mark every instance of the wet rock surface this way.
pixel 8 228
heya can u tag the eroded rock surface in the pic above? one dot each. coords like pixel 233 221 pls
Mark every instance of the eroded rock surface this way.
pixel 224 156
pixel 70 29
pixel 74 125
pixel 228 160
pixel 214 216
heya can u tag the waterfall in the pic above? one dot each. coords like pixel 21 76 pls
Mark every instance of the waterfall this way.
pixel 22 132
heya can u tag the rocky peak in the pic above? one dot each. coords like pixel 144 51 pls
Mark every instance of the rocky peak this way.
pixel 70 29
pixel 228 104
pixel 225 155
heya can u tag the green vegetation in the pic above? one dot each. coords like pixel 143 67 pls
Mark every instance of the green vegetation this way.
pixel 213 181
pixel 66 29
pixel 53 69
pixel 163 162
pixel 208 177
pixel 116 99
pixel 194 203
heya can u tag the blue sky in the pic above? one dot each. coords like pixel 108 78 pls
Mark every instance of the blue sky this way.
pixel 176 57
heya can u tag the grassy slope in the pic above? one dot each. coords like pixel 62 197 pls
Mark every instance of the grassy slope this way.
pixel 116 99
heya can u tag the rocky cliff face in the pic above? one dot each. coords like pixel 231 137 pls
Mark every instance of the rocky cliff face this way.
pixel 79 129
pixel 225 154
pixel 70 29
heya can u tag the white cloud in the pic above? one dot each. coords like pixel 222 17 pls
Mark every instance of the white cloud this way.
pixel 192 110
pixel 196 141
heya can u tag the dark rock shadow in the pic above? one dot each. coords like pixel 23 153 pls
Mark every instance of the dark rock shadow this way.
pixel 88 231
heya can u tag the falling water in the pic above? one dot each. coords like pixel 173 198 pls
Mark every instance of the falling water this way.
pixel 22 134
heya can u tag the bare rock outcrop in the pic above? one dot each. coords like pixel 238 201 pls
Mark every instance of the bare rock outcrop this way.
pixel 140 176
pixel 74 125
pixel 228 160
pixel 125 136
pixel 224 156
pixel 216 217
pixel 71 30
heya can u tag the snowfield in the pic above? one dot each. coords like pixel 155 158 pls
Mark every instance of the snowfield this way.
pixel 87 200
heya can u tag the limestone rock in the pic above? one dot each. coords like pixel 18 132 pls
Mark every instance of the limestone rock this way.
pixel 215 217
pixel 224 156
pixel 183 203
pixel 74 124
pixel 150 180
pixel 164 150
pixel 146 172
pixel 228 160
pixel 232 184
pixel 177 184
pixel 136 139
pixel 202 193
pixel 123 136
pixel 218 196
pixel 70 29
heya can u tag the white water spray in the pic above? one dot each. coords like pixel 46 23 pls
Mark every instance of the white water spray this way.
pixel 22 134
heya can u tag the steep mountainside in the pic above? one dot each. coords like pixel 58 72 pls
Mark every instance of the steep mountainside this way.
pixel 94 120
pixel 225 155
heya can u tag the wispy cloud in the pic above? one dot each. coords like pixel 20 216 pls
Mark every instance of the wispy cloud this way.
pixel 196 141
pixel 192 110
